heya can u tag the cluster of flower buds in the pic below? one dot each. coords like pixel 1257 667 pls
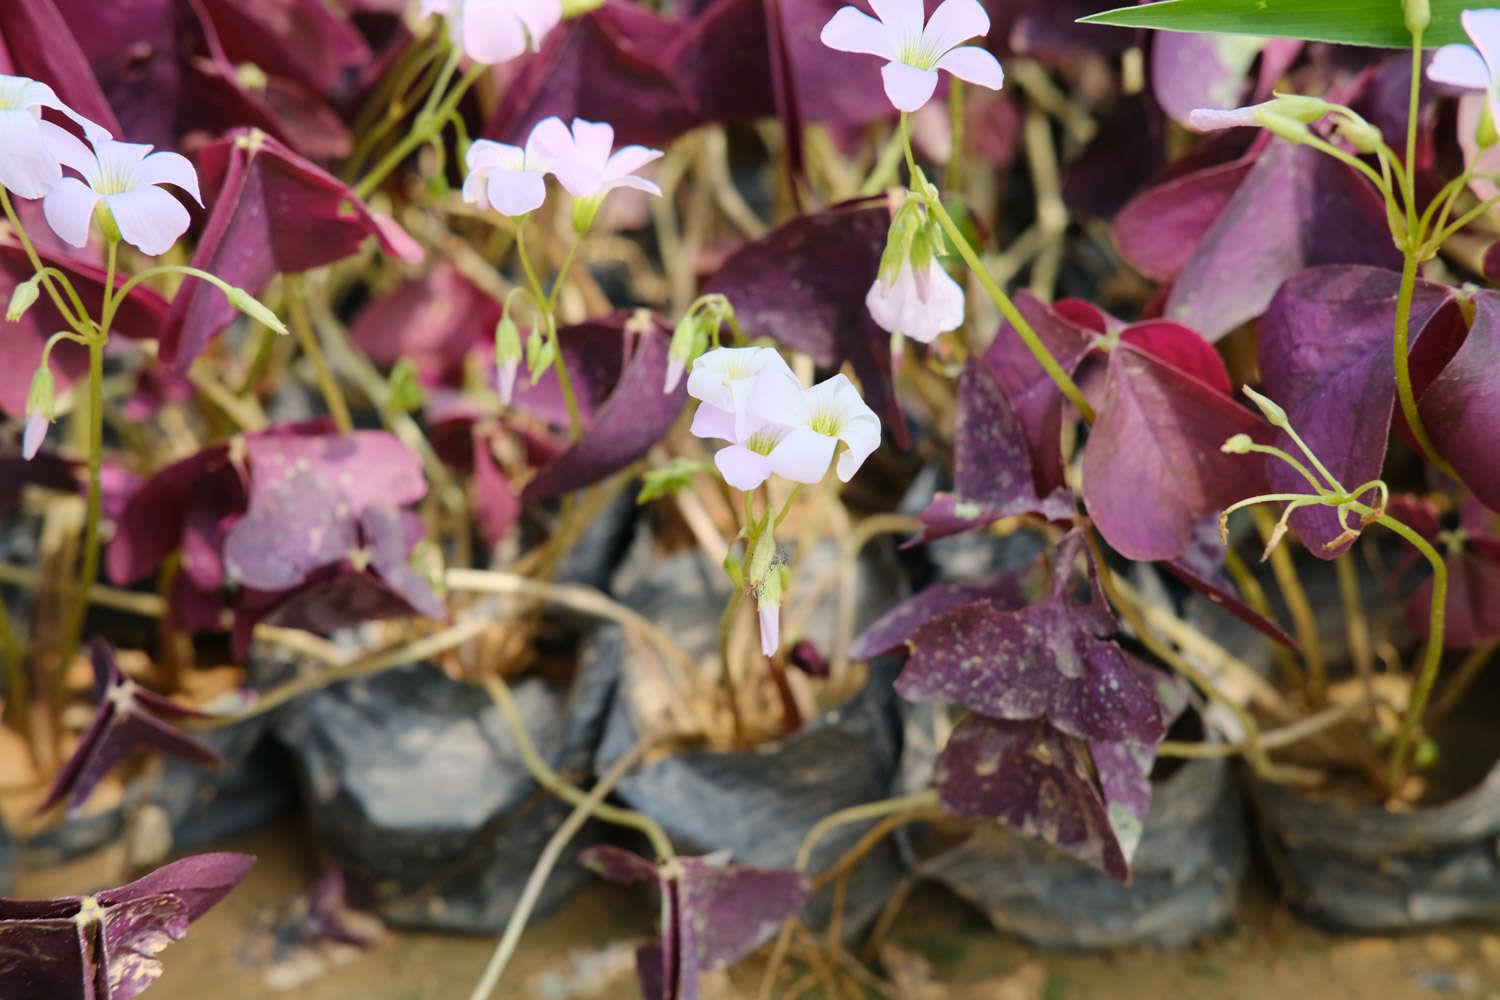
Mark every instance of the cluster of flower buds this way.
pixel 512 179
pixel 698 328
pixel 912 295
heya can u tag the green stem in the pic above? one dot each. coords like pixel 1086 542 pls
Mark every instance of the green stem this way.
pixel 17 685
pixel 76 319
pixel 423 129
pixel 1400 351
pixel 1413 107
pixel 543 304
pixel 1432 657
pixel 333 396
pixel 1039 351
pixel 726 668
pixel 925 799
pixel 953 173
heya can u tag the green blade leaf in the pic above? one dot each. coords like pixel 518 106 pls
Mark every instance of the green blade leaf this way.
pixel 1350 22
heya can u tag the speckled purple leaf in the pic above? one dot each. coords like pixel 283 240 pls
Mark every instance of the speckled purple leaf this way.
pixel 992 469
pixel 1029 664
pixel 1124 771
pixel 634 418
pixel 1152 466
pixel 1461 408
pixel 892 630
pixel 135 932
pixel 126 719
pixel 1296 209
pixel 782 286
pixel 272 212
pixel 369 468
pixel 1325 357
pixel 1032 395
pixel 1191 71
pixel 1033 779
pixel 296 524
pixel 199 882
pixel 384 536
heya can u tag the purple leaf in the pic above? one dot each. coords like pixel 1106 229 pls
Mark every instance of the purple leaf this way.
pixel 369 468
pixel 1191 71
pixel 1124 771
pixel 40 45
pixel 781 285
pixel 298 522
pixel 273 212
pixel 300 39
pixel 1039 662
pixel 1152 466
pixel 497 508
pixel 434 321
pixel 1296 209
pixel 992 470
pixel 1033 779
pixel 1181 348
pixel 125 719
pixel 386 539
pixel 1325 357
pixel 1461 408
pixel 894 629
pixel 634 418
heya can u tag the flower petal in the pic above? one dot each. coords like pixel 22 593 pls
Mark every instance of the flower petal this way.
pixel 770 626
pixel 851 30
pixel 628 160
pixel 117 160
pixel 775 396
pixel 538 17
pixel 488 154
pixel 28 168
pixel 954 22
pixel 803 455
pixel 69 208
pixel 491 32
pixel 862 437
pixel 516 192
pixel 1213 119
pixel 150 219
pixel 592 142
pixel 1483 27
pixel 70 150
pixel 712 422
pixel 1459 66
pixel 638 183
pixel 904 18
pixel 169 168
pixel 975 65
pixel 908 87
pixel 549 141
pixel 742 468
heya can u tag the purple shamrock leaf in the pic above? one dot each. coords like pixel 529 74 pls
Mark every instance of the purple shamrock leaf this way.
pixel 435 321
pixel 369 468
pixel 1191 71
pixel 892 630
pixel 1036 780
pixel 273 213
pixel 992 468
pixel 1325 357
pixel 1295 209
pixel 127 717
pixel 297 523
pixel 635 417
pixel 105 946
pixel 1152 466
pixel 1461 408
pixel 715 913
pixel 781 285
pixel 303 40
pixel 39 44
pixel 1201 567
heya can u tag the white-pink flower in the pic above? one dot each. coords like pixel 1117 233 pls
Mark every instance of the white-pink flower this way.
pixel 722 378
pixel 770 626
pixel 497 31
pixel 1476 67
pixel 917 304
pixel 914 51
pixel 32 149
pixel 508 179
pixel 34 435
pixel 126 178
pixel 585 161
pixel 818 420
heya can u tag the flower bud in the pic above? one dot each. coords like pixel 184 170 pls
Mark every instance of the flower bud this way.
pixel 541 351
pixel 1273 413
pixel 39 410
pixel 768 610
pixel 405 387
pixel 1418 15
pixel 734 566
pixel 1280 125
pixel 761 557
pixel 507 356
pixel 1485 134
pixel 1300 107
pixel 682 350
pixel 1364 137
pixel 252 307
pixel 23 298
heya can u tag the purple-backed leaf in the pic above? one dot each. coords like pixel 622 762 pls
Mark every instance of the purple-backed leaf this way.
pixel 298 522
pixel 1124 771
pixel 152 524
pixel 1325 357
pixel 497 508
pixel 434 321
pixel 1461 408
pixel 610 65
pixel 1124 154
pixel 617 864
pixel 1032 395
pixel 781 285
pixel 1191 71
pixel 273 212
pixel 1181 348
pixel 1158 230
pixel 40 45
pixel 1029 664
pixel 726 911
pixel 633 419
pixel 125 720
pixel 1033 779
pixel 370 468
pixel 335 597
pixel 302 40
pixel 21 343
pixel 385 538
pixel 1296 209
pixel 1152 466
pixel 1220 593
pixel 992 470
pixel 893 629
pixel 104 947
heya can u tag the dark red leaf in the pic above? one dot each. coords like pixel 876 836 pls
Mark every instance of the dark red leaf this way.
pixel 1461 408
pixel 893 629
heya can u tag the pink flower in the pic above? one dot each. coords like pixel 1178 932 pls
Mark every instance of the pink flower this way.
pixel 818 420
pixel 584 160
pixel 508 179
pixel 770 626
pixel 1476 67
pixel 496 31
pixel 32 150
pixel 917 304
pixel 125 177
pixel 35 433
pixel 722 379
pixel 914 52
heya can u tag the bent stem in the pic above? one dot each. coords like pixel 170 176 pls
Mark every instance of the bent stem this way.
pixel 1403 366
pixel 333 396
pixel 923 800
pixel 545 306
pixel 77 317
pixel 424 130
pixel 934 202
pixel 588 806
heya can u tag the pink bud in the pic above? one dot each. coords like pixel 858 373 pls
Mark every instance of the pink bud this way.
pixel 36 432
pixel 770 627
pixel 675 368
pixel 507 380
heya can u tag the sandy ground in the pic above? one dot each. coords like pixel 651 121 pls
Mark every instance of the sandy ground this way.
pixel 943 952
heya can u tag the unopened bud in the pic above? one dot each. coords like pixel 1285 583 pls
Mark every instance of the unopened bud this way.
pixel 1485 134
pixel 1364 137
pixel 1299 107
pixel 1273 413
pixel 1418 15
pixel 405 387
pixel 1279 125
pixel 1238 445
pixel 252 307
pixel 761 557
pixel 22 299
pixel 584 211
pixel 39 411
